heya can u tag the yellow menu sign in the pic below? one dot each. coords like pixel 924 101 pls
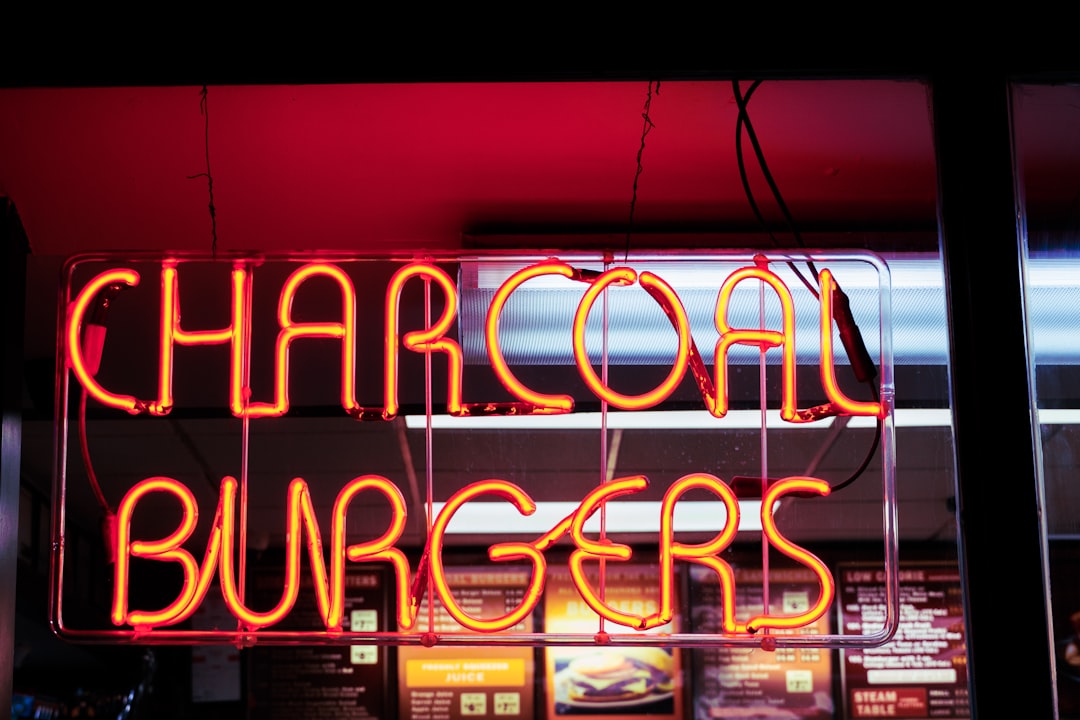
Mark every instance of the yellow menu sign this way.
pixel 491 672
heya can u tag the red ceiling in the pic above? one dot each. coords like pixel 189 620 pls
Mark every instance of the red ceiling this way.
pixel 417 165
pixel 412 166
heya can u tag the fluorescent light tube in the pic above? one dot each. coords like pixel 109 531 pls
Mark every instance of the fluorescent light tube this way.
pixel 494 518
pixel 702 420
pixel 704 272
pixel 672 420
pixel 1060 416
pixel 910 418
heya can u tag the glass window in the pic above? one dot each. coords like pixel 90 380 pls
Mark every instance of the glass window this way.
pixel 852 169
pixel 1047 147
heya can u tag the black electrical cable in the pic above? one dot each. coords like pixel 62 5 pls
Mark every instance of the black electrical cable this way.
pixel 205 112
pixel 85 447
pixel 647 125
pixel 95 344
pixel 861 362
pixel 760 155
pixel 108 517
pixel 744 120
pixel 869 456
pixel 741 102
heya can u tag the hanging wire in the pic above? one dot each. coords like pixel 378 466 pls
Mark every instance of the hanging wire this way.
pixel 869 455
pixel 204 111
pixel 853 344
pixel 108 516
pixel 741 101
pixel 84 447
pixel 743 121
pixel 646 126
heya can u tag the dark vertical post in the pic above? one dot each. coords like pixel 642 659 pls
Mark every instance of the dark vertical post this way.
pixel 998 501
pixel 15 250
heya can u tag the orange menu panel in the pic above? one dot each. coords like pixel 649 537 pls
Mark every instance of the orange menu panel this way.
pixel 622 682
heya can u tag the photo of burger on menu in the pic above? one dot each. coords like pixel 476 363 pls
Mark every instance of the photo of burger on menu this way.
pixel 615 677
pixel 1071 652
pixel 617 681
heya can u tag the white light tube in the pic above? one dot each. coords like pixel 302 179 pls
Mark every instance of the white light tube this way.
pixel 494 518
pixel 672 420
pixel 1060 416
pixel 910 418
pixel 702 420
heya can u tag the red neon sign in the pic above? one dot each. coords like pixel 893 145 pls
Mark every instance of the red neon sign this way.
pixel 329 589
pixel 327 569
pixel 434 339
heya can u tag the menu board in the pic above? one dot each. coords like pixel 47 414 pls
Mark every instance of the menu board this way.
pixel 922 671
pixel 621 682
pixel 751 682
pixel 320 682
pixel 456 682
pixel 215 669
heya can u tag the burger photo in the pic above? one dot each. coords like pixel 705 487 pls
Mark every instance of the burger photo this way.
pixel 618 675
pixel 1072 648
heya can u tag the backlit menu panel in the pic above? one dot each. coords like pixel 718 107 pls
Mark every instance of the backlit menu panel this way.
pixel 922 672
pixel 740 682
pixel 321 682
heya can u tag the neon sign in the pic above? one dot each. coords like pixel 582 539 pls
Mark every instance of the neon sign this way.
pixel 221 557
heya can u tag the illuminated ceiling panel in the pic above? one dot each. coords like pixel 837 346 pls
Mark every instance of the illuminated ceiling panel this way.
pixel 533 332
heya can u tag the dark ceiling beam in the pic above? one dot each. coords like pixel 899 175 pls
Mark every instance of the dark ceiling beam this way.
pixel 1000 508
pixel 278 68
